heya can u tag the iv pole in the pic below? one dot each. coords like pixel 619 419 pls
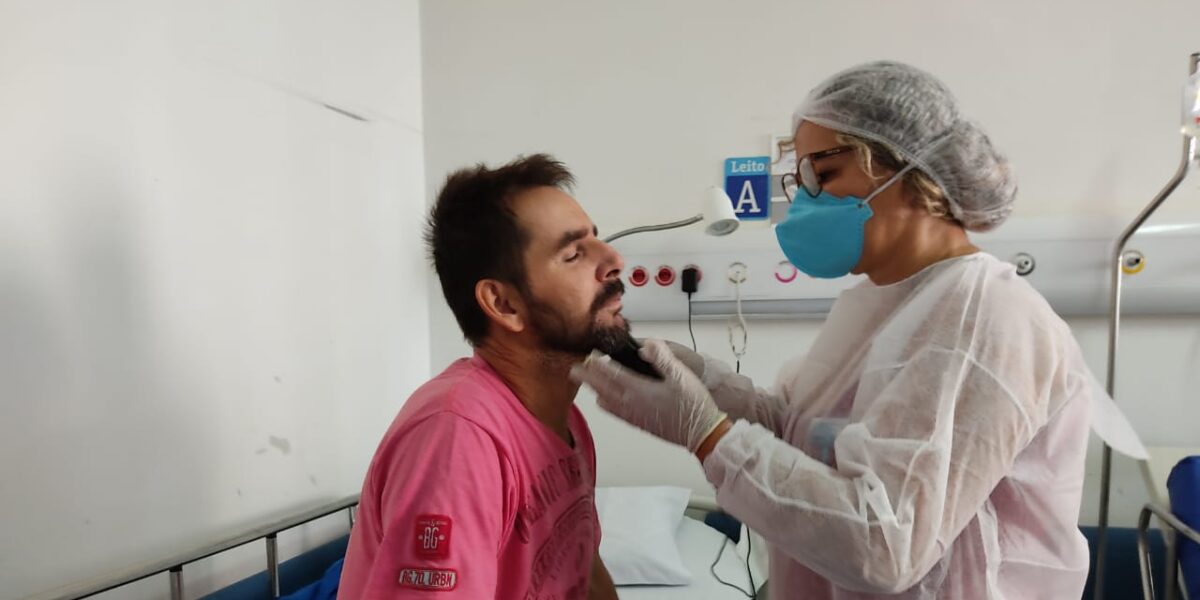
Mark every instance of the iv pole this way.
pixel 1114 323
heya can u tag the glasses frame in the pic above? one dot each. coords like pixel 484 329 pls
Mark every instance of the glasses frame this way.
pixel 805 175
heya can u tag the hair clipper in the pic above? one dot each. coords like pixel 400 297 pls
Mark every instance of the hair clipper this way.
pixel 628 356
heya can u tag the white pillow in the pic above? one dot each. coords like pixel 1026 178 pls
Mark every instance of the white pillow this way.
pixel 637 534
pixel 699 545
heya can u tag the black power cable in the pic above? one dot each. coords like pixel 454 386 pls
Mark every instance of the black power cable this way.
pixel 753 593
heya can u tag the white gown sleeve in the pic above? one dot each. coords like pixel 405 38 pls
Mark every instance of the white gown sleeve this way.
pixel 737 395
pixel 940 434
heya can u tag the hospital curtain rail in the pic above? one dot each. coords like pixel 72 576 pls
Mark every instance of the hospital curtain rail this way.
pixel 174 565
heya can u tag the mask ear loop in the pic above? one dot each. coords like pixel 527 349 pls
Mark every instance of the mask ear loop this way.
pixel 888 183
pixel 912 164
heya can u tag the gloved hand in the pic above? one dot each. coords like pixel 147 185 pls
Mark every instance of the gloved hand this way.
pixel 733 393
pixel 693 360
pixel 677 409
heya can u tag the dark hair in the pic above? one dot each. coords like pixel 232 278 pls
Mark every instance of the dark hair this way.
pixel 472 232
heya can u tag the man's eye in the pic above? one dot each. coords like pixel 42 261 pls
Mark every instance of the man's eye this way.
pixel 574 257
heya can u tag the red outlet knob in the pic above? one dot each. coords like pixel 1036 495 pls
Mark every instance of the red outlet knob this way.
pixel 665 276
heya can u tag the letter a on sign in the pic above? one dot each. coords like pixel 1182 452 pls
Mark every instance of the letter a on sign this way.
pixel 747 181
pixel 746 200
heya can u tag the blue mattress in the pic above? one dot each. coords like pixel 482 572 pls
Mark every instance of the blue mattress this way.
pixel 1184 487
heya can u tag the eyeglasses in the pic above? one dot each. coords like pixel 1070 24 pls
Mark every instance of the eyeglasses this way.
pixel 805 175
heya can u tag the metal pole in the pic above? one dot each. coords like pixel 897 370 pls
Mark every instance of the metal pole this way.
pixel 352 510
pixel 1171 575
pixel 1102 529
pixel 176 582
pixel 684 223
pixel 1143 543
pixel 273 566
pixel 1114 324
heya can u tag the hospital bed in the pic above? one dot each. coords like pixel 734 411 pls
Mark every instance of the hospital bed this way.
pixel 703 534
pixel 715 548
pixel 698 543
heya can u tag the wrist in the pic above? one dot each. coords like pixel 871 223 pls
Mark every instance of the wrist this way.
pixel 710 442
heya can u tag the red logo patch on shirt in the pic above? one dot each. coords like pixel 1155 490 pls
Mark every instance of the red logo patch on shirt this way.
pixel 433 536
pixel 435 580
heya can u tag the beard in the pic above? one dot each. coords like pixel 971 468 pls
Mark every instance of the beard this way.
pixel 558 333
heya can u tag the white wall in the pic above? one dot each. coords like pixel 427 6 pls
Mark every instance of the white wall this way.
pixel 212 296
pixel 643 100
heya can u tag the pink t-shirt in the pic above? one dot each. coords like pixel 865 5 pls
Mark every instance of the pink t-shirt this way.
pixel 470 496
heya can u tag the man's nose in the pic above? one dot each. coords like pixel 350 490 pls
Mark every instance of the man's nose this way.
pixel 611 264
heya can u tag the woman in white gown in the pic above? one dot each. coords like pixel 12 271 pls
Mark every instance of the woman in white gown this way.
pixel 931 443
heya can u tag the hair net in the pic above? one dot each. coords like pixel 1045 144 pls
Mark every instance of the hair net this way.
pixel 911 112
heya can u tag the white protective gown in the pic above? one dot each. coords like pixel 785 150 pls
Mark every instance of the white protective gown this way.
pixel 931 445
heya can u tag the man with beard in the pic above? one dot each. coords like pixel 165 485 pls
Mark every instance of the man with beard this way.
pixel 484 485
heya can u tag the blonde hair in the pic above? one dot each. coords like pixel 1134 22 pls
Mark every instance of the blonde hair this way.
pixel 918 185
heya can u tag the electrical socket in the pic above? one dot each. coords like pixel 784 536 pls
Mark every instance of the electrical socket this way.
pixel 738 272
pixel 689 279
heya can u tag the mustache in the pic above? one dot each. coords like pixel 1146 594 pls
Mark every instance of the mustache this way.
pixel 611 290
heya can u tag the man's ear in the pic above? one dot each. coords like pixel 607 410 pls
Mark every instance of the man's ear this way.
pixel 502 304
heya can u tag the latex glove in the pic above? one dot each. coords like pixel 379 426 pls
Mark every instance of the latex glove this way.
pixel 692 359
pixel 677 409
pixel 735 394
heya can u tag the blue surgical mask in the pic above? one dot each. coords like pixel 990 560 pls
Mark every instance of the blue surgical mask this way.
pixel 823 235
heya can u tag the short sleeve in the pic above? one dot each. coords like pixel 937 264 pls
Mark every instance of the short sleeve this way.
pixel 440 513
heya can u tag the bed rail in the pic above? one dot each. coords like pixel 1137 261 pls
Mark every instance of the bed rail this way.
pixel 174 565
pixel 1177 528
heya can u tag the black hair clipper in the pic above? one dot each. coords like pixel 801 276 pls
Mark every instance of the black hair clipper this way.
pixel 628 356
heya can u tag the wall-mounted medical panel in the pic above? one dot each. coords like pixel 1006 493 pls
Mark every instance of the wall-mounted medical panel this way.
pixel 1068 261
